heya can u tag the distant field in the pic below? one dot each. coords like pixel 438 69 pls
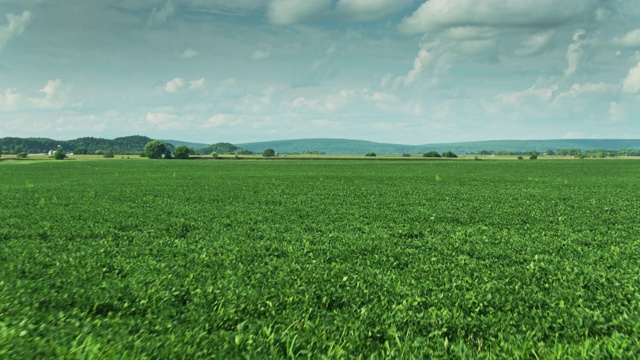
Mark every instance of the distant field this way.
pixel 343 259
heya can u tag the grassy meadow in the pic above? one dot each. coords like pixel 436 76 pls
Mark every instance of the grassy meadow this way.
pixel 136 258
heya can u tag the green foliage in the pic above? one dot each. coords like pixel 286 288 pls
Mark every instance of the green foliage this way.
pixel 59 154
pixel 214 155
pixel 520 157
pixel 182 152
pixel 386 264
pixel 223 148
pixel 370 154
pixel 22 155
pixel 533 157
pixel 269 152
pixel 432 154
pixel 449 154
pixel 155 149
pixel 109 154
pixel 406 155
pixel 167 154
pixel 99 152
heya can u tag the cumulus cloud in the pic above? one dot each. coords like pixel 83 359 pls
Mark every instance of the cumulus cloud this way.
pixel 161 15
pixel 197 84
pixel 629 40
pixel 364 10
pixel 16 24
pixel 189 54
pixel 174 85
pixel 260 55
pixel 631 83
pixel 575 52
pixel 54 96
pixel 437 15
pixel 286 12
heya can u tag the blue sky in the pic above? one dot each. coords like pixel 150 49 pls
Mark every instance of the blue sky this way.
pixel 399 71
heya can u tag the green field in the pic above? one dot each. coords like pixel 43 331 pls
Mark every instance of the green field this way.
pixel 337 259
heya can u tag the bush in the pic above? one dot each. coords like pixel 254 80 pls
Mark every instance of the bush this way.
pixel 154 149
pixel 533 157
pixel 214 155
pixel 99 152
pixel 109 154
pixel 370 154
pixel 449 154
pixel 167 154
pixel 59 154
pixel 269 153
pixel 182 152
pixel 406 155
pixel 22 155
pixel 433 154
pixel 520 157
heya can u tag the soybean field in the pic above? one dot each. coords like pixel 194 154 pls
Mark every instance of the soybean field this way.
pixel 164 259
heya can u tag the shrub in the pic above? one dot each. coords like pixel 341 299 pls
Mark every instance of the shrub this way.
pixel 99 152
pixel 22 155
pixel 108 154
pixel 167 154
pixel 370 154
pixel 269 152
pixel 406 155
pixel 520 157
pixel 59 154
pixel 182 152
pixel 533 157
pixel 433 154
pixel 214 155
pixel 154 149
pixel 449 154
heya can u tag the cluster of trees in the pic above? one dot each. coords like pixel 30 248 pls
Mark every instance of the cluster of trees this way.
pixel 574 152
pixel 223 148
pixel 127 145
pixel 435 154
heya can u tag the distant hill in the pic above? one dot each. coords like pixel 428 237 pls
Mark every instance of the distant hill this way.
pixel 191 145
pixel 86 145
pixel 346 146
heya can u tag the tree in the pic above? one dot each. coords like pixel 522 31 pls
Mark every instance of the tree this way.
pixel 449 154
pixel 370 154
pixel 155 149
pixel 22 155
pixel 59 154
pixel 550 152
pixel 182 152
pixel 269 152
pixel 214 155
pixel 167 154
pixel 79 150
pixel 109 154
pixel 433 154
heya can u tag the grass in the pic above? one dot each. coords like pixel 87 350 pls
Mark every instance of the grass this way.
pixel 336 259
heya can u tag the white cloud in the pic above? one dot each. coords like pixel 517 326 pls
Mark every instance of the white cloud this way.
pixel 189 54
pixel 424 58
pixel 197 84
pixel 575 52
pixel 15 26
pixel 364 10
pixel 167 121
pixel 286 12
pixel 629 40
pixel 160 16
pixel 260 55
pixel 631 83
pixel 174 85
pixel 617 112
pixel 436 15
pixel 530 96
pixel 535 44
pixel 55 97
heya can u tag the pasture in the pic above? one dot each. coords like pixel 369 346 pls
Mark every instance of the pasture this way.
pixel 315 258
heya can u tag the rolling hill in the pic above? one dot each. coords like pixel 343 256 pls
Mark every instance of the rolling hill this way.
pixel 346 146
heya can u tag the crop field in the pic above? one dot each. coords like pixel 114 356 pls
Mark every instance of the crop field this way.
pixel 144 259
